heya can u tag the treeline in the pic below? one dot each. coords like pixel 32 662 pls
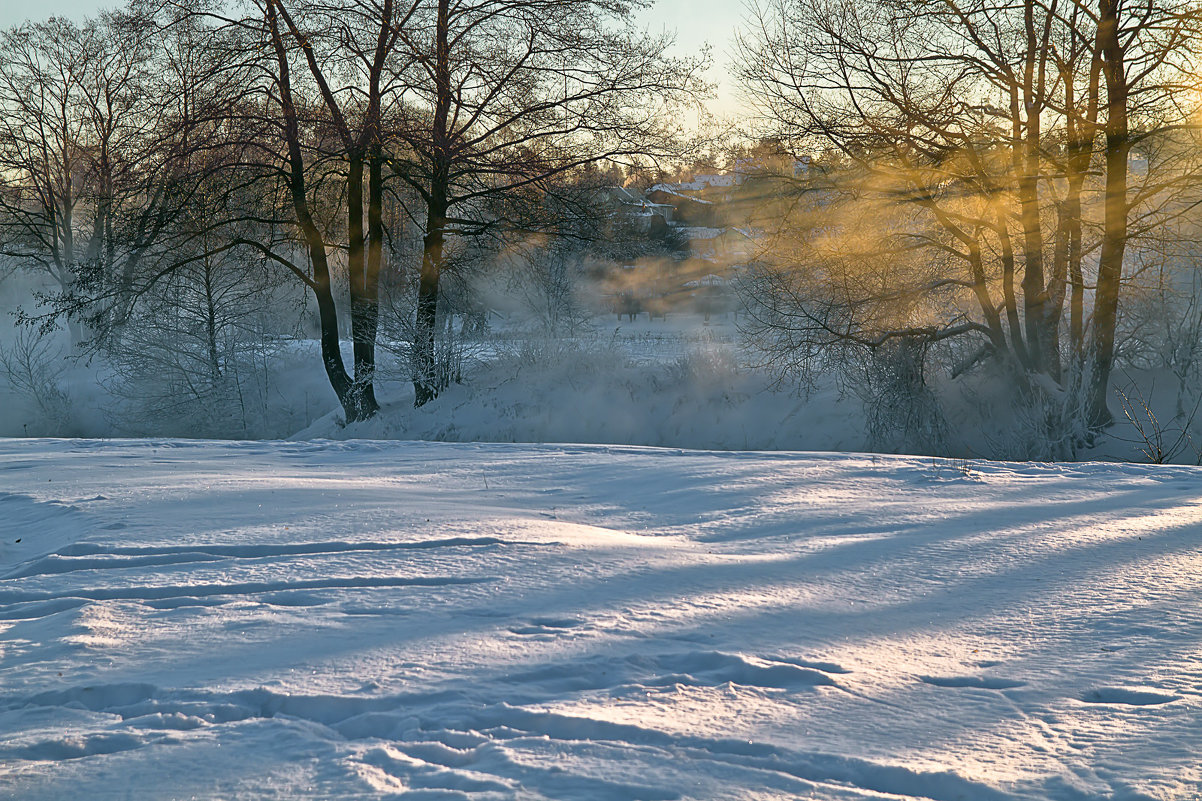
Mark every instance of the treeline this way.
pixel 166 166
pixel 1001 189
pixel 996 183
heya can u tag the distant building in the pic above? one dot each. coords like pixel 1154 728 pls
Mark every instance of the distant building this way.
pixel 723 246
pixel 715 180
pixel 645 212
pixel 689 207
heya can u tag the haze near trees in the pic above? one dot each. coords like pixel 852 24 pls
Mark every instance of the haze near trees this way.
pixel 933 200
pixel 1024 163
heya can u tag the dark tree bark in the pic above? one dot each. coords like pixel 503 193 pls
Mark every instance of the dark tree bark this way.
pixel 361 138
pixel 1115 215
pixel 427 382
pixel 321 284
pixel 506 97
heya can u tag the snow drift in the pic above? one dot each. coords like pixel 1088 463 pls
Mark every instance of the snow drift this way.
pixel 182 619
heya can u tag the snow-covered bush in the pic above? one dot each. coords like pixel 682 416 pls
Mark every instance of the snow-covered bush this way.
pixel 545 280
pixel 1039 420
pixel 902 413
pixel 195 356
pixel 33 365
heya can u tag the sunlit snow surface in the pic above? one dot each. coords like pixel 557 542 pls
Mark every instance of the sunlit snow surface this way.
pixel 439 621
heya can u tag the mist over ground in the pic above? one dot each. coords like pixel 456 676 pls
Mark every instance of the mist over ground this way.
pixel 267 221
pixel 675 381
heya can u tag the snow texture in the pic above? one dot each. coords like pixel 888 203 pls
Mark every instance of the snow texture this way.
pixel 353 620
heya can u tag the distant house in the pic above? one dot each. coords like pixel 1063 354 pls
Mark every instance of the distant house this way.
pixel 724 246
pixel 703 241
pixel 644 211
pixel 689 190
pixel 690 208
pixel 617 196
pixel 707 280
pixel 684 187
pixel 715 180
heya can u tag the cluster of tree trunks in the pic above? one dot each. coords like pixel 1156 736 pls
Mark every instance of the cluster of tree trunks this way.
pixel 319 135
pixel 1008 127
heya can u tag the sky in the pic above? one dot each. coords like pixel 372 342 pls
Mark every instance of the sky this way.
pixel 696 23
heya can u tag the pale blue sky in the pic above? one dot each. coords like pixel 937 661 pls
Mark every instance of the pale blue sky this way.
pixel 695 21
pixel 15 11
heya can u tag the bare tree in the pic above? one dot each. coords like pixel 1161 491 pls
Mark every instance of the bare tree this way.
pixel 308 134
pixel 505 96
pixel 1001 134
pixel 300 113
pixel 45 133
pixel 328 39
pixel 105 127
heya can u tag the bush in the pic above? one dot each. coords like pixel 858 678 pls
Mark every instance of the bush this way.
pixel 34 366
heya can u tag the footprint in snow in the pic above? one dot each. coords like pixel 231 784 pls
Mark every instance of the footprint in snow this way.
pixel 825 667
pixel 1127 696
pixel 977 682
pixel 715 668
pixel 75 747
pixel 545 628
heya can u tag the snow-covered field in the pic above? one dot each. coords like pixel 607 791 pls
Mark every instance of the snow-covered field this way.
pixel 447 621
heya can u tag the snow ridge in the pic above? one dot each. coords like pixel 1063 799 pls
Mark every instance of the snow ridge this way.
pixel 372 620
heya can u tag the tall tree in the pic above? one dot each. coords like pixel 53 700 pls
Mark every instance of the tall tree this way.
pixel 312 170
pixel 47 137
pixel 101 130
pixel 991 123
pixel 353 42
pixel 505 96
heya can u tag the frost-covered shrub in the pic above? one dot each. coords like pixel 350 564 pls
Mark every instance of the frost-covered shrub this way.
pixel 1157 438
pixel 998 411
pixel 574 361
pixel 194 357
pixel 33 365
pixel 704 366
pixel 902 412
pixel 1161 332
pixel 545 280
pixel 1047 422
pixel 176 390
pixel 461 331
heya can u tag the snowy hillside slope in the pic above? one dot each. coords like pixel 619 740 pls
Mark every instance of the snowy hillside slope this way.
pixel 315 620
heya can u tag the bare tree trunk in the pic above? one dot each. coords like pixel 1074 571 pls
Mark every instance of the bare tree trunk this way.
pixel 321 285
pixel 426 384
pixel 363 306
pixel 1080 130
pixel 1114 225
pixel 1056 290
pixel 210 312
pixel 980 288
pixel 426 381
pixel 365 313
pixel 1041 341
pixel 364 253
pixel 1017 341
pixel 368 319
pixel 1076 324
